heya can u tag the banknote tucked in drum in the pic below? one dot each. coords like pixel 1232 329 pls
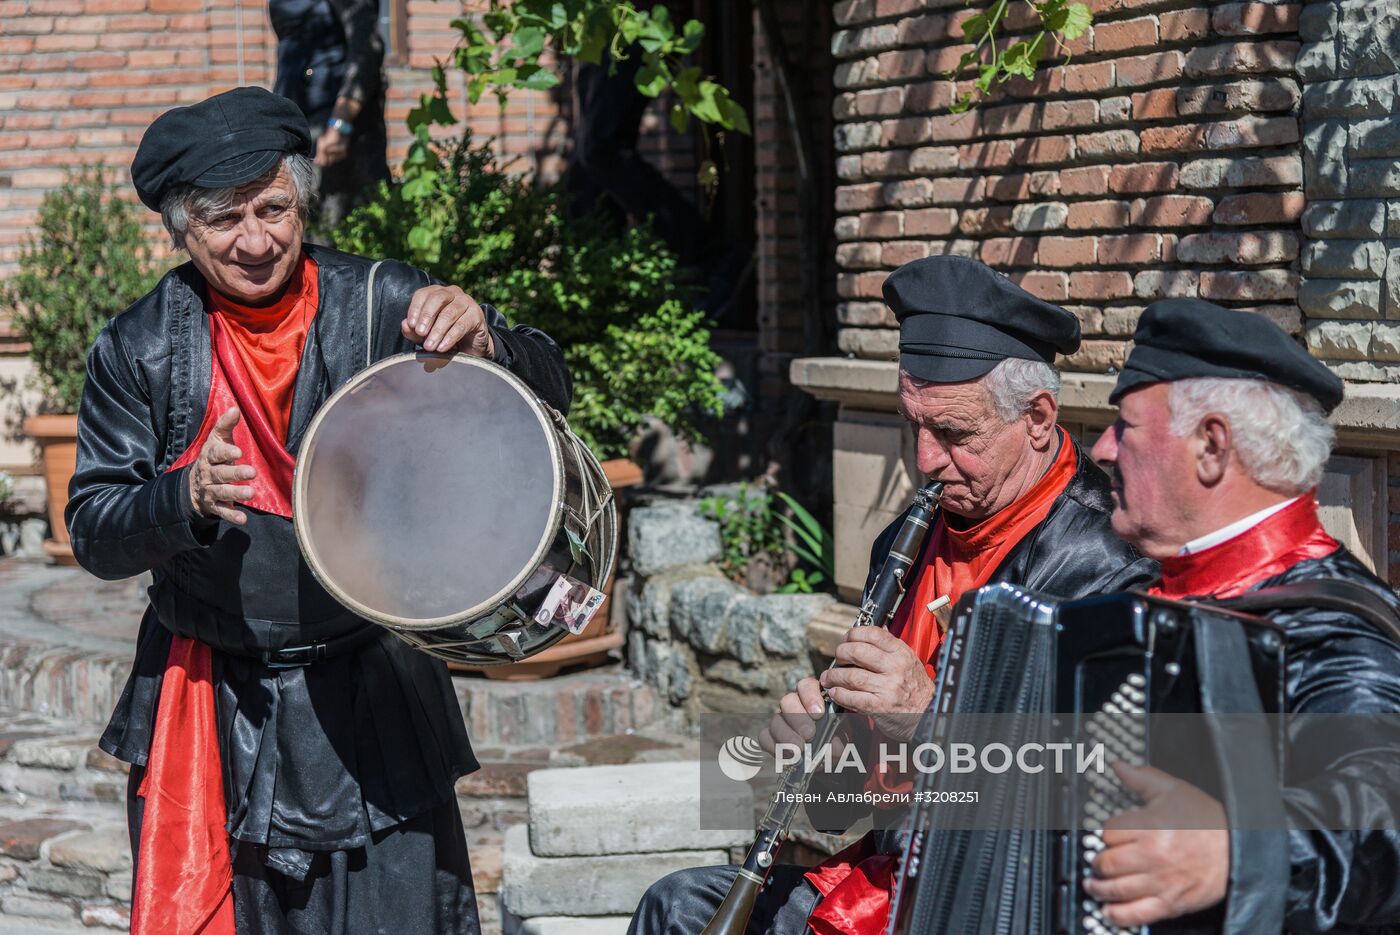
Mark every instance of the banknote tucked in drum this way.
pixel 437 496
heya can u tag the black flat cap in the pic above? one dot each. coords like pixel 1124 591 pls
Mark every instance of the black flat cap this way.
pixel 959 318
pixel 1181 338
pixel 228 140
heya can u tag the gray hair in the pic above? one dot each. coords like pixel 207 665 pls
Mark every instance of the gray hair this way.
pixel 1014 382
pixel 183 202
pixel 1011 385
pixel 1282 436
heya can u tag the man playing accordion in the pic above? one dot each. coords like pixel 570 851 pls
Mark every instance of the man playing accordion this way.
pixel 1220 443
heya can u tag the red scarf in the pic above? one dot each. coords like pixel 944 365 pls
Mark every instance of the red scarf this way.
pixel 856 884
pixel 184 878
pixel 1232 567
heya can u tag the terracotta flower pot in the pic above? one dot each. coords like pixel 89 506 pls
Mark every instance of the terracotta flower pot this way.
pixel 58 443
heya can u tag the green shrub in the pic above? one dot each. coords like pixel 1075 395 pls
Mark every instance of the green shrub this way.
pixel 773 532
pixel 88 260
pixel 634 345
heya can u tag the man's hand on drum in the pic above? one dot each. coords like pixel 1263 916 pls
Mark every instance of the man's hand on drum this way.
pixel 445 320
pixel 876 673
pixel 214 477
pixel 797 717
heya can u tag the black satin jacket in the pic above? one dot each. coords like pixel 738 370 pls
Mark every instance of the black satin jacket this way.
pixel 314 757
pixel 1342 881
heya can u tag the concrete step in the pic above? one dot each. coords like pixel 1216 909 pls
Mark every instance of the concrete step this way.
pixel 560 925
pixel 559 711
pixel 533 886
pixel 633 809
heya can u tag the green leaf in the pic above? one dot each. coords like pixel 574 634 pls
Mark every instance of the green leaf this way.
pixel 975 28
pixel 528 43
pixel 691 37
pixel 538 79
pixel 651 80
pixel 680 118
pixel 1070 22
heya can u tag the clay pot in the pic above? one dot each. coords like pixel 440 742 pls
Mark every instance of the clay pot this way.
pixel 57 437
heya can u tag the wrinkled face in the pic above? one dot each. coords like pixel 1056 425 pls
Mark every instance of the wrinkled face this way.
pixel 961 441
pixel 249 251
pixel 1152 473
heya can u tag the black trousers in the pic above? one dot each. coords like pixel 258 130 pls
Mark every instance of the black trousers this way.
pixel 412 879
pixel 683 902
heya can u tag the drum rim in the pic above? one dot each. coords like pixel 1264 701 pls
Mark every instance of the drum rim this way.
pixel 539 409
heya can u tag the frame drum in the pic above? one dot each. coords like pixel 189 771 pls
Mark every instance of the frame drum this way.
pixel 438 497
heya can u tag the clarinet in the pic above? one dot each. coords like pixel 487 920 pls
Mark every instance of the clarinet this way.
pixel 732 917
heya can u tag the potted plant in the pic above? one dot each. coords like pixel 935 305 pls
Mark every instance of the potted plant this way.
pixel 87 260
pixel 634 345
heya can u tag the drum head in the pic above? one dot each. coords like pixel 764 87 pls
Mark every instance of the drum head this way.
pixel 427 489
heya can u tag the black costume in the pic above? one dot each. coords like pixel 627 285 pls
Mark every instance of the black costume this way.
pixel 1071 553
pixel 338 767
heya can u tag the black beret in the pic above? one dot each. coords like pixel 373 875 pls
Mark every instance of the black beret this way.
pixel 1181 338
pixel 227 140
pixel 959 318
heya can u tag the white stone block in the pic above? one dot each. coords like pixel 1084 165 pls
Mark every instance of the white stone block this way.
pixel 585 886
pixel 634 809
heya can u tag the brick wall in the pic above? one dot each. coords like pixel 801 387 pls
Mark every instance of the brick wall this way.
pixel 80 80
pixel 1162 160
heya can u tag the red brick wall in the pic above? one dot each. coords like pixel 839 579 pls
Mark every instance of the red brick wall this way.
pixel 1162 160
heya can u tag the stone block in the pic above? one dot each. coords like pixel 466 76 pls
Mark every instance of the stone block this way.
pixel 1375 138
pixel 1204 173
pixel 650 607
pixel 1370 38
pixel 1166 284
pixel 1344 259
pixel 1317 61
pixel 1385 342
pixel 104 849
pixel 771 624
pixel 63 882
pixel 739 675
pixel 854 137
pixel 1332 298
pixel 575 925
pixel 869 343
pixel 1318 22
pixel 1252 247
pixel 1039 217
pixel 1241 97
pixel 666 535
pixel 23 839
pixel 1325 169
pixel 1392 284
pixel 1355 219
pixel 119 886
pixel 112 917
pixel 1355 97
pixel 1373 178
pixel 32 908
pixel 585 886
pixel 698 610
pixel 1392 219
pixel 1256 171
pixel 52 752
pixel 637 808
pixel 1339 340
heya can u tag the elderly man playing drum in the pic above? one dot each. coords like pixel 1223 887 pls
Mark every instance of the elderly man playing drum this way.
pixel 1021 503
pixel 292 764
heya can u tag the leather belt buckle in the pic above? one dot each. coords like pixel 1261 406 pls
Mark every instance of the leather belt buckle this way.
pixel 292 657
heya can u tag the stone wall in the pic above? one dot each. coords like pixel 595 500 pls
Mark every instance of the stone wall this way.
pixel 1349 67
pixel 707 644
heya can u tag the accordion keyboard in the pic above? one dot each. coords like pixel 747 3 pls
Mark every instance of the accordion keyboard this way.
pixel 1120 725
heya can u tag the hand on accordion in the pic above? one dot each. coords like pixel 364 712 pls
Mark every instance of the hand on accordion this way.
pixel 1169 857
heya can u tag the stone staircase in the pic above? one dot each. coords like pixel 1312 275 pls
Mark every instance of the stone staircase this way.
pixel 66 642
pixel 597 837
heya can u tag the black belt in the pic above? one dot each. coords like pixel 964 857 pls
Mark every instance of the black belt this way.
pixel 290 657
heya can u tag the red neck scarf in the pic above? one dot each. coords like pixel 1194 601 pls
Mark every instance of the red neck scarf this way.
pixel 856 884
pixel 1230 568
pixel 184 878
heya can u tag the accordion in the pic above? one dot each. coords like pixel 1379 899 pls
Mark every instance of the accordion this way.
pixel 1099 670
